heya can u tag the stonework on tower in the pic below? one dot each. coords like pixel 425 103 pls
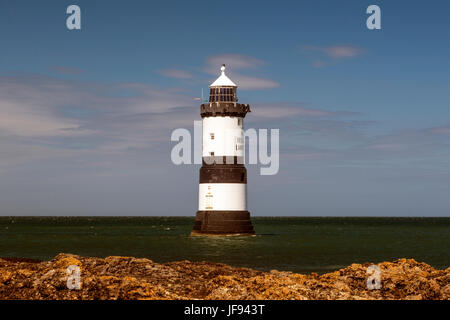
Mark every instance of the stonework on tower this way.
pixel 222 200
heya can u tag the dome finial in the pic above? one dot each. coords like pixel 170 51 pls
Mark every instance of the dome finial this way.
pixel 223 80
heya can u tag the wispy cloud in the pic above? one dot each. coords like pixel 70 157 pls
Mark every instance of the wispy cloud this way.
pixel 253 83
pixel 334 52
pixel 175 73
pixel 341 52
pixel 67 70
pixel 284 109
pixel 236 63
pixel 412 144
pixel 318 64
pixel 440 130
pixel 238 66
pixel 51 115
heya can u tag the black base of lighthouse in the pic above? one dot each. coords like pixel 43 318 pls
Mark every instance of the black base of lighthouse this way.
pixel 223 223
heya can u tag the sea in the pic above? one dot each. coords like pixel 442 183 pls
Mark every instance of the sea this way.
pixel 297 244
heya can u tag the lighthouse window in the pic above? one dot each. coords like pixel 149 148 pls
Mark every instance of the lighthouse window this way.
pixel 211 153
pixel 212 136
pixel 239 122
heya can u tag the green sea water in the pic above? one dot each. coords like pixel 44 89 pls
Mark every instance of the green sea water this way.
pixel 299 244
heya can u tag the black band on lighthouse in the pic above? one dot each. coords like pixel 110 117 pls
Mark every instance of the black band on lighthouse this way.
pixel 223 174
pixel 216 109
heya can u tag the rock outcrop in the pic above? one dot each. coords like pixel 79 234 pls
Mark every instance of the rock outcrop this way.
pixel 133 278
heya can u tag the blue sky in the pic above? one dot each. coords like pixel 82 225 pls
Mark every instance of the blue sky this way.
pixel 86 116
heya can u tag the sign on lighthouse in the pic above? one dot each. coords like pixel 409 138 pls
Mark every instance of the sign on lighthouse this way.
pixel 222 198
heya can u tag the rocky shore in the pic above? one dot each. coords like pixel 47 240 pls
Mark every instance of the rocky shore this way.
pixel 133 278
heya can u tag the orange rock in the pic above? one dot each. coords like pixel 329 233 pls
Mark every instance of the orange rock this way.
pixel 130 278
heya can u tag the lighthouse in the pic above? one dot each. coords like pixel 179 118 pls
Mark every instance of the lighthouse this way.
pixel 222 196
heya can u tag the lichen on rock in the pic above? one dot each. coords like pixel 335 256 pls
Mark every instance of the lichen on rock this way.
pixel 136 278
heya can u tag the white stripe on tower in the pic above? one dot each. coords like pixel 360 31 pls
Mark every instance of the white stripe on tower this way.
pixel 222 196
pixel 223 136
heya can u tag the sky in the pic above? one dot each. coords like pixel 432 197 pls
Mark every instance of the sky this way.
pixel 86 115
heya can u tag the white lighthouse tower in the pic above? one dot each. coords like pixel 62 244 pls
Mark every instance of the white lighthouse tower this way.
pixel 222 199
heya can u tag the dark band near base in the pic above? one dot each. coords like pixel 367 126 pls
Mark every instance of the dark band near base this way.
pixel 223 223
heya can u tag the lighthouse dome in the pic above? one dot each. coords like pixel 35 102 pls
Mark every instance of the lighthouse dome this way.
pixel 223 80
